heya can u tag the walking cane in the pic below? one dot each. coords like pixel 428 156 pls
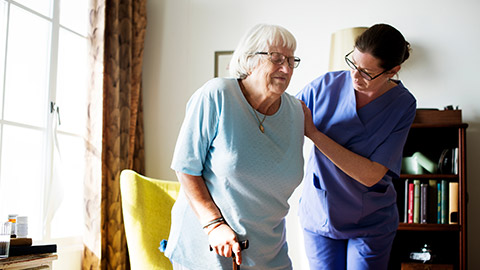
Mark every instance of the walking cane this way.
pixel 243 245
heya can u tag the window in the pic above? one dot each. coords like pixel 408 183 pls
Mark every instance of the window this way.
pixel 43 89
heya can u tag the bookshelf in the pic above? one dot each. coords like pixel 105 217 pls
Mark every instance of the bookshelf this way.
pixel 431 136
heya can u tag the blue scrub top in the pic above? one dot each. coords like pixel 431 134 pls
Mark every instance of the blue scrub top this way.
pixel 334 204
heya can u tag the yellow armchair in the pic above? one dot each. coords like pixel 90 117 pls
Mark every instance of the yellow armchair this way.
pixel 146 206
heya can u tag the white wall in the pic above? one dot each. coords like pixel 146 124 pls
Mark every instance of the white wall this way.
pixel 182 36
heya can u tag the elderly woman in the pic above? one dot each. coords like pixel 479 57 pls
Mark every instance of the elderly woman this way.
pixel 239 158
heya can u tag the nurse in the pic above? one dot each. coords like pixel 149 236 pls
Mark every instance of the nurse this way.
pixel 359 121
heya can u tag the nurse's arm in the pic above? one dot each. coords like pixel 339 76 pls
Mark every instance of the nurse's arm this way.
pixel 359 168
pixel 222 238
pixel 362 169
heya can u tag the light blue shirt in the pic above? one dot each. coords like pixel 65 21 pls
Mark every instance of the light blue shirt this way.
pixel 333 204
pixel 249 174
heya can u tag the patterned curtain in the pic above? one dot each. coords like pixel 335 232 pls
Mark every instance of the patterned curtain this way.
pixel 115 125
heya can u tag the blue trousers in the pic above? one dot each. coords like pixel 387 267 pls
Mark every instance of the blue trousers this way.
pixel 352 254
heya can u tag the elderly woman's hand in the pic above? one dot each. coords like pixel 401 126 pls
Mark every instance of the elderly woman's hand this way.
pixel 224 242
pixel 309 125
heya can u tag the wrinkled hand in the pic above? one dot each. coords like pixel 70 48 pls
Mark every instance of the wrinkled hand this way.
pixel 224 242
pixel 308 120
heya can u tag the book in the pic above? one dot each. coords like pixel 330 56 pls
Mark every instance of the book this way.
pixel 405 203
pixel 432 201
pixel 453 203
pixel 34 249
pixel 20 241
pixel 423 202
pixel 444 202
pixel 455 160
pixel 410 202
pixel 439 203
pixel 416 201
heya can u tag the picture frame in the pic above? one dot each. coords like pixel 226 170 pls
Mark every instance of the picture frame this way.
pixel 222 61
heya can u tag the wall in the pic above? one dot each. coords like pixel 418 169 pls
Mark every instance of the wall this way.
pixel 183 35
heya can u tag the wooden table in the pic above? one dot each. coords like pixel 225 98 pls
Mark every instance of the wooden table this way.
pixel 32 262
pixel 423 266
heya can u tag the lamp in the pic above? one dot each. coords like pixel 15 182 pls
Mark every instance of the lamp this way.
pixel 342 42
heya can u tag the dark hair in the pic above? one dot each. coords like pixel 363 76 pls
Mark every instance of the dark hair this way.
pixel 386 43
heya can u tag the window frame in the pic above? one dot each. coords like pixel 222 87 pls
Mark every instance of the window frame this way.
pixel 51 117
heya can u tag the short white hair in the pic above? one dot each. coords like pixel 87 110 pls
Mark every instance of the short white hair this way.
pixel 258 39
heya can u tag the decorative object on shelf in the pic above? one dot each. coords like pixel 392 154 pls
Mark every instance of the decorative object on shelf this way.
pixel 411 166
pixel 448 161
pixel 425 162
pixel 425 255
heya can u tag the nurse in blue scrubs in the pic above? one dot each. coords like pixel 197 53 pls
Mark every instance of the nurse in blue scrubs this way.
pixel 359 121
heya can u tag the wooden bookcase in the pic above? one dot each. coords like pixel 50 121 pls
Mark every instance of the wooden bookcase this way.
pixel 447 241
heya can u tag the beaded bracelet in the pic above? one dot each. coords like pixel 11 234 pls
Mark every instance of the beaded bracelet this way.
pixel 217 220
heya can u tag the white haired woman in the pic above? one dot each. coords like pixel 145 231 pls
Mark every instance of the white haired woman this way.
pixel 238 158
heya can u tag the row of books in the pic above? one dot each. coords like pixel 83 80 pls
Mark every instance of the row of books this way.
pixel 431 201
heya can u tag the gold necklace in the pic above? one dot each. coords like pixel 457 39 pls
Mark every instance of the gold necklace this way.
pixel 260 123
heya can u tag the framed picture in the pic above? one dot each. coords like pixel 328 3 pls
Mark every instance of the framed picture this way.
pixel 222 60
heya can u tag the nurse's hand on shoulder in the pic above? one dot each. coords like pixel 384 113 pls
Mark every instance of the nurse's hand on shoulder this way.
pixel 309 125
pixel 224 242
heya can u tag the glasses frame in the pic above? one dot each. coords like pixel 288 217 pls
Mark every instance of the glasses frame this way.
pixel 362 72
pixel 296 60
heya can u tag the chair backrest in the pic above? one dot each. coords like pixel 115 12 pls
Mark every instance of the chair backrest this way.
pixel 146 206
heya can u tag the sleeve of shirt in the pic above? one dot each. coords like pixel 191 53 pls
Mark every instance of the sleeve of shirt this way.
pixel 389 153
pixel 307 94
pixel 196 134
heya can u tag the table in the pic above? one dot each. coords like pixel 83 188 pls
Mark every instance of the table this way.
pixel 36 261
pixel 426 266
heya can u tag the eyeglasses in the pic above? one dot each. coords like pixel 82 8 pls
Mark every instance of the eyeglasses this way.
pixel 279 59
pixel 362 72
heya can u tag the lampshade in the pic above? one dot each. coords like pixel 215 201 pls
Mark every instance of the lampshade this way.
pixel 342 42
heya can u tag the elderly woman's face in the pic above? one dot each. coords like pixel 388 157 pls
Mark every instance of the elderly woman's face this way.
pixel 274 77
